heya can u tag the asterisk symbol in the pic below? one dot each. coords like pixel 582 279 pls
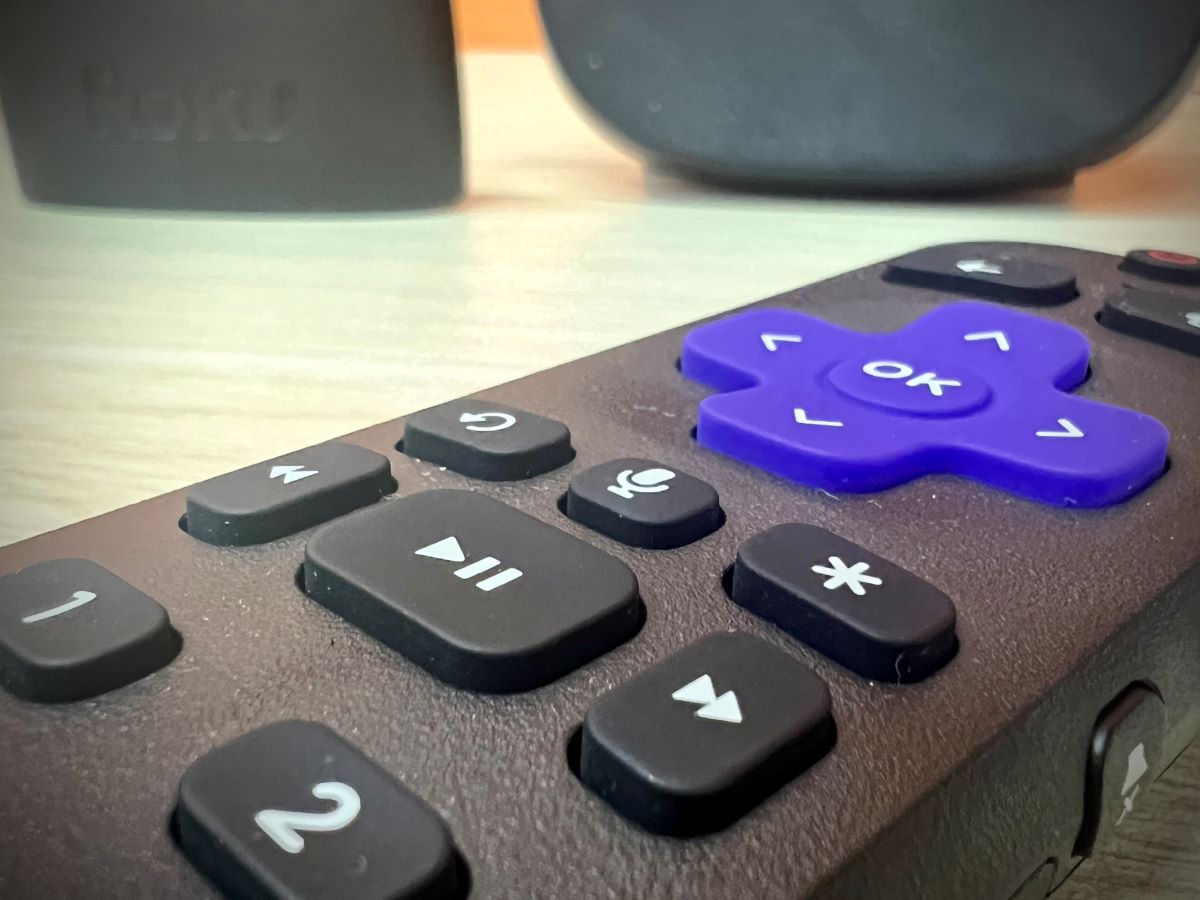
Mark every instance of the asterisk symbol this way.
pixel 853 577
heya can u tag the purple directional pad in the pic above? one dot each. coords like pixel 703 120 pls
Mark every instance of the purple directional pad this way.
pixel 970 389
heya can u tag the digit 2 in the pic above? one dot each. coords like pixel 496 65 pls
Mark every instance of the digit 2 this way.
pixel 283 826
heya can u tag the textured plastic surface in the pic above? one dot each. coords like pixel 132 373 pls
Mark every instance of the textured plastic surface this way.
pixel 959 786
pixel 899 94
pixel 971 388
pixel 260 105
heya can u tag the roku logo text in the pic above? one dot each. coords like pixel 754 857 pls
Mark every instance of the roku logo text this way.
pixel 260 113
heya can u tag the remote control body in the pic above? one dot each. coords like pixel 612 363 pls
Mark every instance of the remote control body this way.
pixel 964 783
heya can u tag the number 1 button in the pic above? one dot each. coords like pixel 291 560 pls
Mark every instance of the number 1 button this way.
pixel 71 629
pixel 293 811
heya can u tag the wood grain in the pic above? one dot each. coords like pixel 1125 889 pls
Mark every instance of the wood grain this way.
pixel 139 353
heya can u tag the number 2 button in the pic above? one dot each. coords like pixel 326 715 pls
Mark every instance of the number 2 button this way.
pixel 293 811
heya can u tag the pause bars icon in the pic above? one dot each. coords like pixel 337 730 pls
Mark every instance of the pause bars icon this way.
pixel 492 582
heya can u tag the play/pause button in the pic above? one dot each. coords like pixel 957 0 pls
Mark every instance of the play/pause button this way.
pixel 481 595
pixel 489 584
pixel 449 549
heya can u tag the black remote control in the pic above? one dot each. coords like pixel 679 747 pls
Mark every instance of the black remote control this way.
pixel 886 587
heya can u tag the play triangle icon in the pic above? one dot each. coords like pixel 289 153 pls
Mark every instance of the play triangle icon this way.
pixel 724 709
pixel 698 691
pixel 447 549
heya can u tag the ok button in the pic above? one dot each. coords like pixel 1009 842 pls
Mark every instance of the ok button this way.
pixel 910 386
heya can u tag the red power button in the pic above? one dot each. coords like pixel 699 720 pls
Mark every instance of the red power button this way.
pixel 1163 265
pixel 1175 259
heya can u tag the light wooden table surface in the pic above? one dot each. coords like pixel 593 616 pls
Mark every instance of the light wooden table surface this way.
pixel 140 353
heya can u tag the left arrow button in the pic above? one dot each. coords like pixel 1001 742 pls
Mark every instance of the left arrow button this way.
pixel 251 506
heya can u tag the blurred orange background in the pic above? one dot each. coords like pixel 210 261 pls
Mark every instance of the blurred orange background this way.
pixel 497 24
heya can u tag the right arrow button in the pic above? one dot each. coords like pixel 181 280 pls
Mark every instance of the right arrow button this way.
pixel 1066 429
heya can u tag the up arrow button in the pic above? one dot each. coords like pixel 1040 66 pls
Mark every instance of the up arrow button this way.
pixel 999 337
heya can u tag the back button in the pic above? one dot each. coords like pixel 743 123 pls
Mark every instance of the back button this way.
pixel 486 440
pixel 996 276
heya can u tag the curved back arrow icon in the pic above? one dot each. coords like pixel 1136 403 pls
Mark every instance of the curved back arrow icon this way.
pixel 505 421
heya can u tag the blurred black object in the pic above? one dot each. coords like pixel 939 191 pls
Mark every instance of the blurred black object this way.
pixel 233 104
pixel 877 94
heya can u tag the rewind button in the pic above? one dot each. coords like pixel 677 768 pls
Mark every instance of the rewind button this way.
pixel 271 500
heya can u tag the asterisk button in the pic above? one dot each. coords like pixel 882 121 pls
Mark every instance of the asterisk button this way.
pixel 853 577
